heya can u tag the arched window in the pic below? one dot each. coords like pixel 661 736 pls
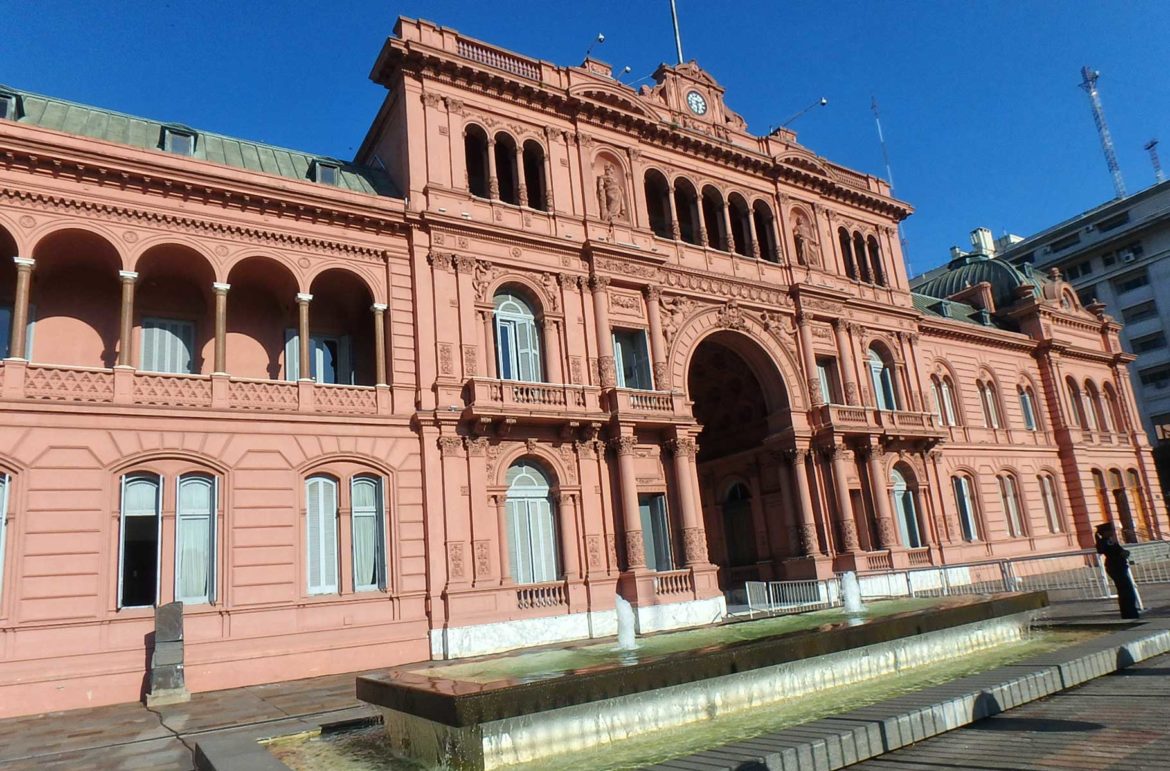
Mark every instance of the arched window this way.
pixel 859 255
pixel 507 175
pixel 1051 503
pixel 738 527
pixel 1009 495
pixel 686 208
pixel 964 487
pixel 1124 513
pixel 532 532
pixel 1136 495
pixel 741 225
pixel 369 534
pixel 1094 416
pixel 875 261
pixel 1027 406
pixel 713 222
pixel 905 498
pixel 517 339
pixel 139 546
pixel 1113 408
pixel 1102 493
pixel 321 534
pixel 847 252
pixel 195 539
pixel 881 374
pixel 1076 405
pixel 475 149
pixel 944 400
pixel 765 231
pixel 534 177
pixel 990 401
pixel 5 490
pixel 658 204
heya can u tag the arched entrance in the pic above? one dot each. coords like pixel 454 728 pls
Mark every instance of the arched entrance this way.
pixel 740 400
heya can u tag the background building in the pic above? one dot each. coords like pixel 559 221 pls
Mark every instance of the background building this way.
pixel 548 339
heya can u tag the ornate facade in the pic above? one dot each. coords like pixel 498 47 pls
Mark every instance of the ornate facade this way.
pixel 545 341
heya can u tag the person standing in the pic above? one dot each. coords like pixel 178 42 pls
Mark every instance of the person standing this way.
pixel 1117 566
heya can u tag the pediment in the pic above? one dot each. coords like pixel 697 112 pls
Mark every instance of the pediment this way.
pixel 806 162
pixel 613 96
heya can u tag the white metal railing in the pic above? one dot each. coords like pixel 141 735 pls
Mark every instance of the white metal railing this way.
pixel 1072 575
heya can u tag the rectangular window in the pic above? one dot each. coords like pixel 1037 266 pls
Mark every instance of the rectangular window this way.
pixel 7 107
pixel 331 361
pixel 1109 260
pixel 1146 343
pixel 1139 312
pixel 321 534
pixel 168 346
pixel 140 543
pixel 369 539
pixel 1011 506
pixel 1131 281
pixel 966 504
pixel 1061 244
pixel 532 540
pixel 178 142
pixel 1051 512
pixel 1104 226
pixel 195 540
pixel 655 531
pixel 827 375
pixel 1027 409
pixel 1155 377
pixel 326 173
pixel 631 359
pixel 6 331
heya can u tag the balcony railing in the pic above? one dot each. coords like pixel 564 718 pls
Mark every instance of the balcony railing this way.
pixel 648 406
pixel 674 582
pixel 844 418
pixel 58 383
pixel 501 60
pixel 550 595
pixel 913 424
pixel 488 396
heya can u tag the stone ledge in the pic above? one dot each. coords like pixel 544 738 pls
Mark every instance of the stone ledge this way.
pixel 842 740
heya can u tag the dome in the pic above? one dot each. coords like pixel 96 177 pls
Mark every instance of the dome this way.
pixel 972 269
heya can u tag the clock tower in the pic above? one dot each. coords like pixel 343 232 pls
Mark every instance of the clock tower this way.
pixel 694 100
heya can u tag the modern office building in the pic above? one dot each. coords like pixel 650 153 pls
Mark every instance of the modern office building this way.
pixel 547 339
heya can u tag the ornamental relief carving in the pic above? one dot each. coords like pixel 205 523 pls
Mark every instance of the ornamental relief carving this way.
pixel 625 304
pixel 675 311
pixel 625 267
pixel 727 288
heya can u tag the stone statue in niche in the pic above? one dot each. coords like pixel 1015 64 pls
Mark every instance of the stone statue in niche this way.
pixel 808 251
pixel 610 197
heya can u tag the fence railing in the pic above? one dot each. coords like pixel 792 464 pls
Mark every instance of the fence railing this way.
pixel 1072 575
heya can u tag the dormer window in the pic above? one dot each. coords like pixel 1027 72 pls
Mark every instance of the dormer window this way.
pixel 7 107
pixel 178 141
pixel 326 173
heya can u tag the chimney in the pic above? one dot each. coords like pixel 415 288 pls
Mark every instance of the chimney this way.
pixel 982 242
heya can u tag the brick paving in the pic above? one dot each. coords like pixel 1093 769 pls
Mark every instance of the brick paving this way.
pixel 1124 713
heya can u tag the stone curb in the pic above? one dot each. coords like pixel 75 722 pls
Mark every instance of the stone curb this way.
pixel 842 740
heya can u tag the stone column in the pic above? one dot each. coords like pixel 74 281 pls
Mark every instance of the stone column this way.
pixel 501 504
pixel 550 336
pixel 493 180
pixel 887 535
pixel 809 359
pixel 809 544
pixel 674 228
pixel 728 241
pixel 489 343
pixel 657 341
pixel 568 512
pixel 841 457
pixel 220 290
pixel 631 518
pixel 303 339
pixel 749 235
pixel 845 363
pixel 521 184
pixel 605 365
pixel 379 311
pixel 18 335
pixel 694 535
pixel 126 319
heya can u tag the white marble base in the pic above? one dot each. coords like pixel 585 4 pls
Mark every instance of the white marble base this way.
pixel 678 615
pixel 463 641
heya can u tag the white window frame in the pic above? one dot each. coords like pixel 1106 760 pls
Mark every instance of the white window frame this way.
pixel 160 482
pixel 208 597
pixel 827 376
pixel 884 393
pixel 1009 493
pixel 1051 504
pixel 948 401
pixel 317 538
pixel 962 485
pixel 905 501
pixel 6 331
pixel 5 494
pixel 343 373
pixel 658 553
pixel 533 532
pixel 377 514
pixel 990 408
pixel 518 340
pixel 641 359
pixel 1028 407
pixel 153 353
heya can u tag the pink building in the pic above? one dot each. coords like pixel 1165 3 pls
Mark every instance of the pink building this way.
pixel 546 340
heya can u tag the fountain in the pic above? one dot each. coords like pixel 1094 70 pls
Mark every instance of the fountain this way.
pixel 851 591
pixel 533 705
pixel 625 625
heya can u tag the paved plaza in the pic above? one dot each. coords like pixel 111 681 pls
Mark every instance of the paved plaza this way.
pixel 1117 721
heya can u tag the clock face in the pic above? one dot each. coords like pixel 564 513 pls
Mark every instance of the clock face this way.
pixel 696 102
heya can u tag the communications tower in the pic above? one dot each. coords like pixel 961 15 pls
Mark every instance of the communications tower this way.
pixel 1089 83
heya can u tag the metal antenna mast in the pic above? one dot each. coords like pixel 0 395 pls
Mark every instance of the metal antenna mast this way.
pixel 877 119
pixel 677 37
pixel 1089 84
pixel 1152 147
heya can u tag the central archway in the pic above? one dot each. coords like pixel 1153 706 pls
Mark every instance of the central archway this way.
pixel 739 398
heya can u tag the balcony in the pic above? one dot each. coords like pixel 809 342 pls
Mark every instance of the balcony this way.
pixel 909 426
pixel 647 407
pixel 552 402
pixel 893 425
pixel 844 419
pixel 125 386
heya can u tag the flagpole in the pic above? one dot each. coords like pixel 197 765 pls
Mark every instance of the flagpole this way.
pixel 677 37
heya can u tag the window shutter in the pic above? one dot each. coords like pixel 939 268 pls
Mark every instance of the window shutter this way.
pixel 28 341
pixel 527 351
pixel 506 346
pixel 321 527
pixel 194 540
pixel 619 365
pixel 543 533
pixel 520 544
pixel 141 496
pixel 292 355
pixel 368 539
pixel 4 487
pixel 661 526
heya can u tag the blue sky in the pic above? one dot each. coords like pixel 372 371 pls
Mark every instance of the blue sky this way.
pixel 979 100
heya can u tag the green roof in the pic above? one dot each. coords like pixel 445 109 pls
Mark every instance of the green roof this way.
pixel 949 309
pixel 972 269
pixel 106 125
